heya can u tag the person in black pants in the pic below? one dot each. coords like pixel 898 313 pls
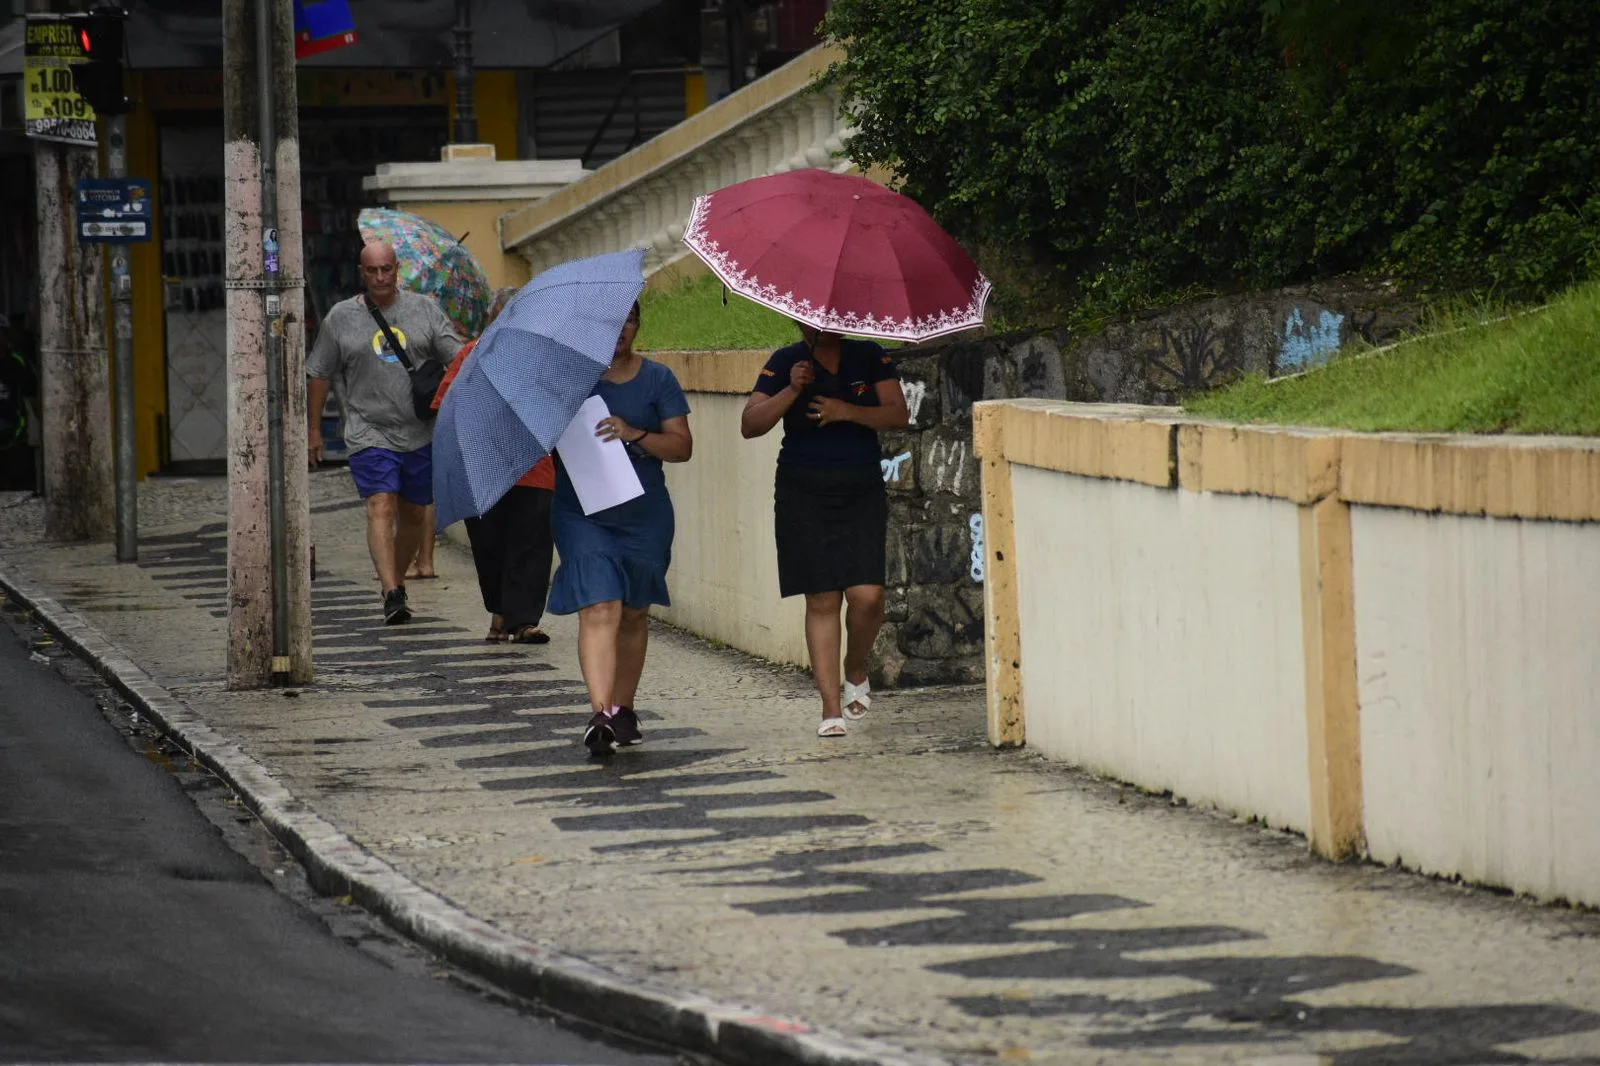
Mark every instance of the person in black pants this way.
pixel 512 551
pixel 512 548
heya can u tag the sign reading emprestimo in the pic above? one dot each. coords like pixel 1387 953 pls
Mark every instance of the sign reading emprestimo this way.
pixel 52 108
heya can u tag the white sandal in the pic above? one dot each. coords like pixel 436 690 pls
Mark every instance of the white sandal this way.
pixel 857 695
pixel 831 727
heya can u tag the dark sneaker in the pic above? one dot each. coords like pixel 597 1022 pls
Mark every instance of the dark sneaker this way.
pixel 625 725
pixel 599 737
pixel 395 608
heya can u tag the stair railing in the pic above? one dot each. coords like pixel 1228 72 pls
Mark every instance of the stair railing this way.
pixel 629 89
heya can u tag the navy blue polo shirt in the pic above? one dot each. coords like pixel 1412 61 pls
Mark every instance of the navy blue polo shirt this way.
pixel 862 364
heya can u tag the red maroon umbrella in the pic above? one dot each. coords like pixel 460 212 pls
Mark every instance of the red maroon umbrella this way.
pixel 840 253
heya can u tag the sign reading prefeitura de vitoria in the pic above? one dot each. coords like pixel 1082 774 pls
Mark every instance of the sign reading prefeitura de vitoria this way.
pixel 52 108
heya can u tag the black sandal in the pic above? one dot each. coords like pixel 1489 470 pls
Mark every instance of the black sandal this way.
pixel 530 635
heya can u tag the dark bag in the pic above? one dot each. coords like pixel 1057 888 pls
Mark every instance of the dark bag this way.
pixel 426 374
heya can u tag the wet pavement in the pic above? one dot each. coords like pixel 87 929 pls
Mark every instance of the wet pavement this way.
pixel 147 917
pixel 907 885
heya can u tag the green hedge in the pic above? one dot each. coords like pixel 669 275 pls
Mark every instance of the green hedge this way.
pixel 1138 150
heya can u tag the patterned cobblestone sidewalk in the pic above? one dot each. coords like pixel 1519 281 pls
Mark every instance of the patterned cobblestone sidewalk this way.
pixel 906 886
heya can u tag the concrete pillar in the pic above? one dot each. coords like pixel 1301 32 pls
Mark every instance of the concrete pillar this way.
pixel 250 580
pixel 80 498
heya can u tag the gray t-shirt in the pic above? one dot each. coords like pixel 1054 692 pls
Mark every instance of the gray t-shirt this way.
pixel 352 353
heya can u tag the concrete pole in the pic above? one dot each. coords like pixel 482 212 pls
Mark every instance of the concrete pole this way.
pixel 76 420
pixel 75 387
pixel 252 293
pixel 296 490
pixel 126 462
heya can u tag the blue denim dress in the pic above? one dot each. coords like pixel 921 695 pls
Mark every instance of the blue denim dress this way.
pixel 621 553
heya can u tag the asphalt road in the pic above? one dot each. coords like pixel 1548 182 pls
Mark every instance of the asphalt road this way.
pixel 145 917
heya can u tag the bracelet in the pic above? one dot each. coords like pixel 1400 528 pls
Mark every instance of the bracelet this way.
pixel 643 433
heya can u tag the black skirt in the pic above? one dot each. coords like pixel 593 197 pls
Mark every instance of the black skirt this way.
pixel 832 523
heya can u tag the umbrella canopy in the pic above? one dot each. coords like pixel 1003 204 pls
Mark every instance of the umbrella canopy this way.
pixel 520 387
pixel 840 253
pixel 432 261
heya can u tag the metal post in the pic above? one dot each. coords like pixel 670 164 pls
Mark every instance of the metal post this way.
pixel 466 129
pixel 735 14
pixel 125 457
pixel 273 300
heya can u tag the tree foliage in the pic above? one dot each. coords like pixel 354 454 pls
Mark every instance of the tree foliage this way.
pixel 1140 149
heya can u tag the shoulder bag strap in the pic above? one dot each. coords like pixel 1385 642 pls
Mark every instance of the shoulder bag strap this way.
pixel 388 334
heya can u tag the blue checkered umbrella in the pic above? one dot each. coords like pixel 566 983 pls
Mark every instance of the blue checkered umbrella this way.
pixel 531 370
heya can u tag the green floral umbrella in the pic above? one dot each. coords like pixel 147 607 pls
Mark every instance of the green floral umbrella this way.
pixel 432 261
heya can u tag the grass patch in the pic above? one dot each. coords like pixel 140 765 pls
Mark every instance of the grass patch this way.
pixel 1537 372
pixel 690 316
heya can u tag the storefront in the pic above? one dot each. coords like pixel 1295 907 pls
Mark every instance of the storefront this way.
pixel 390 103
pixel 180 304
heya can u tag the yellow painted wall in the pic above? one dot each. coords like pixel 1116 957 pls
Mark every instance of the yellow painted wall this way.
pixel 149 323
pixel 694 93
pixel 495 103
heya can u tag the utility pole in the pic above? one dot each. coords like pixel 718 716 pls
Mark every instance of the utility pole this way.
pixel 269 570
pixel 76 423
pixel 127 476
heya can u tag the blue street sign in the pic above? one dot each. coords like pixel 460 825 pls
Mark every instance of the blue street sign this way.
pixel 114 210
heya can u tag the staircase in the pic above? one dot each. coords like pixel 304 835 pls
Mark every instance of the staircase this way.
pixel 642 197
pixel 597 115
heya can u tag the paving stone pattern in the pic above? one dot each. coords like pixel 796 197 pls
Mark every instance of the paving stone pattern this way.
pixel 906 883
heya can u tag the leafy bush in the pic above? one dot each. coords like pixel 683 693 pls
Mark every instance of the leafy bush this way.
pixel 1138 150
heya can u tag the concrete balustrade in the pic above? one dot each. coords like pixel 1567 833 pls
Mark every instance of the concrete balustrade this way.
pixel 1385 641
pixel 643 199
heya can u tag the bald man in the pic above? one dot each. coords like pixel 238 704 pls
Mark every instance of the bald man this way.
pixel 391 449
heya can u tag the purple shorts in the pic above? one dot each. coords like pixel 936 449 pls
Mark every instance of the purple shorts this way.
pixel 407 474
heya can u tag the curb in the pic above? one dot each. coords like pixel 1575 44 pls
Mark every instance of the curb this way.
pixel 336 865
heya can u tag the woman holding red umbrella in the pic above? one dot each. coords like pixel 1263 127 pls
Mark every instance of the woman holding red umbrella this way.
pixel 838 254
pixel 833 396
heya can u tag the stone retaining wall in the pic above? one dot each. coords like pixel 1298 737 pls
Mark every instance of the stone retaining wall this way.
pixel 934 629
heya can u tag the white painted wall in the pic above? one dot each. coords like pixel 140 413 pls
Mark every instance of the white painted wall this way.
pixel 724 576
pixel 1161 638
pixel 1478 651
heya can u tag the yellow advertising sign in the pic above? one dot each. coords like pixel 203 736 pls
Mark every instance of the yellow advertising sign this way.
pixel 52 108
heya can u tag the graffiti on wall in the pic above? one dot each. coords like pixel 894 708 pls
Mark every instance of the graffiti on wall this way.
pixel 915 393
pixel 1307 344
pixel 1191 357
pixel 975 523
pixel 893 469
pixel 947 465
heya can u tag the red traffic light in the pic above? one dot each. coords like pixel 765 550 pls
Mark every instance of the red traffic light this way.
pixel 100 34
pixel 98 78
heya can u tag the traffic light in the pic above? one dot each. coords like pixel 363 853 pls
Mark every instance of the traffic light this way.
pixel 99 78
